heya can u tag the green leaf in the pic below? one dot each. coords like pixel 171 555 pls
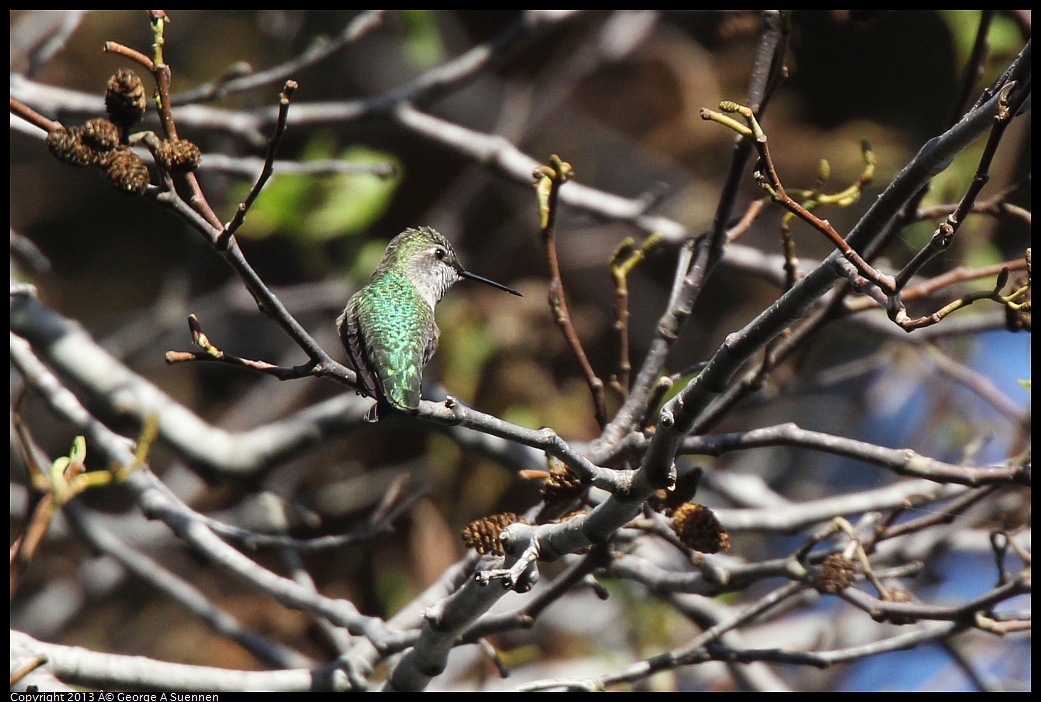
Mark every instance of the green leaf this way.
pixel 423 45
pixel 313 208
pixel 352 202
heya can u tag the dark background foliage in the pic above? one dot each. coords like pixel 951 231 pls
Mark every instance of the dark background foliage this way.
pixel 618 96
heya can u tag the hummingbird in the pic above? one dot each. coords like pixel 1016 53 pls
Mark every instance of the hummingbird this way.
pixel 388 326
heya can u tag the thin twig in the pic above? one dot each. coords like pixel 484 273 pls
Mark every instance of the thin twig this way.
pixel 623 261
pixel 769 180
pixel 134 55
pixel 549 180
pixel 209 352
pixel 280 129
pixel 32 116
pixel 944 234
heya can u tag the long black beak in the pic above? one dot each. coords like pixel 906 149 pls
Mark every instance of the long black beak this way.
pixel 486 281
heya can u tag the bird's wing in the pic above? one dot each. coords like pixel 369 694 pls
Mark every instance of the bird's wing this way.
pixel 353 342
pixel 399 364
pixel 404 324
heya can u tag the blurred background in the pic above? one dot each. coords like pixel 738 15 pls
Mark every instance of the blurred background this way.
pixel 615 94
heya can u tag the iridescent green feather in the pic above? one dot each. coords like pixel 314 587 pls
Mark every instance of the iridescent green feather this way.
pixel 400 337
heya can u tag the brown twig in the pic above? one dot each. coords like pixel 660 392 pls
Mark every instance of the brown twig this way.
pixel 198 212
pixel 210 352
pixel 996 206
pixel 1010 301
pixel 886 289
pixel 280 129
pixel 41 509
pixel 769 180
pixel 624 259
pixel 548 180
pixel 945 515
pixel 162 75
pixel 32 116
pixel 743 225
pixel 960 274
pixel 211 226
pixel 1011 99
pixel 811 200
pixel 113 47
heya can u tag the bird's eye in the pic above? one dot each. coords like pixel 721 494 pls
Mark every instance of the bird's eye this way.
pixel 440 253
